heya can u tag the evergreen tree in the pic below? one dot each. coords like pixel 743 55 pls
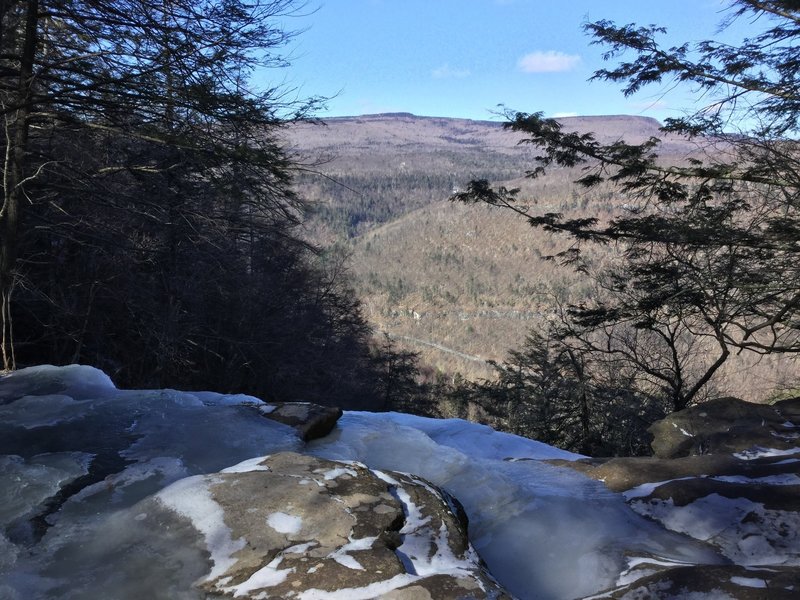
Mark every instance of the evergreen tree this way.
pixel 149 226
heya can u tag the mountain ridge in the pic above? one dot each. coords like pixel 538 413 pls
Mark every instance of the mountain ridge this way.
pixel 455 276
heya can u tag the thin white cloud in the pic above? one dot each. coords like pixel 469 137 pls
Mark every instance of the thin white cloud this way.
pixel 561 115
pixel 448 72
pixel 550 61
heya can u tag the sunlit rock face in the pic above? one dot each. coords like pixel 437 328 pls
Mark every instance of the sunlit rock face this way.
pixel 108 493
pixel 726 426
pixel 295 526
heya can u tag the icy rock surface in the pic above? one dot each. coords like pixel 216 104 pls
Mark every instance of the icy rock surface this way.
pixel 735 487
pixel 114 493
pixel 545 532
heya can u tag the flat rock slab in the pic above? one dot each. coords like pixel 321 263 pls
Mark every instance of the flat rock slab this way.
pixel 622 474
pixel 311 421
pixel 295 526
pixel 727 425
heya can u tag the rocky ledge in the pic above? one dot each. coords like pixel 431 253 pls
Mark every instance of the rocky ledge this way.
pixel 129 494
pixel 726 473
pixel 295 526
pixel 108 493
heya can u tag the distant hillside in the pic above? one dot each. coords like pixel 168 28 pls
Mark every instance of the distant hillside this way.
pixel 369 170
pixel 459 284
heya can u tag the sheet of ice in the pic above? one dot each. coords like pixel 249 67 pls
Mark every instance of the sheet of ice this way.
pixel 480 441
pixel 155 474
pixel 71 380
pixel 759 452
pixel 31 412
pixel 26 483
pixel 207 438
pixel 749 582
pixel 215 399
pixel 137 442
pixel 544 531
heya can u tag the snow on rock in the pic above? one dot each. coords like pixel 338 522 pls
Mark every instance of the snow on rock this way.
pixel 108 493
pixel 720 582
pixel 544 532
pixel 743 499
pixel 328 539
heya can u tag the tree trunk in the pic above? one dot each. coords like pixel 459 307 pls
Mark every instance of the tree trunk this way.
pixel 14 178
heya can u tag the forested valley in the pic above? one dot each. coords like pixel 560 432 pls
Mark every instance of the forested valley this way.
pixel 169 222
pixel 662 267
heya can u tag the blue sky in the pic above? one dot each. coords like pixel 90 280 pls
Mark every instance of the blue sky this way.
pixel 462 58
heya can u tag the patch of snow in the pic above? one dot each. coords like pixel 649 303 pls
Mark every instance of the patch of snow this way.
pixel 786 436
pixel 246 466
pixel 285 523
pixel 416 552
pixel 746 532
pixel 192 499
pixel 638 568
pixel 781 479
pixel 751 582
pixel 300 548
pixel 759 452
pixel 368 592
pixel 342 556
pixel 266 577
pixel 338 472
pixel 682 430
pixel 646 489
